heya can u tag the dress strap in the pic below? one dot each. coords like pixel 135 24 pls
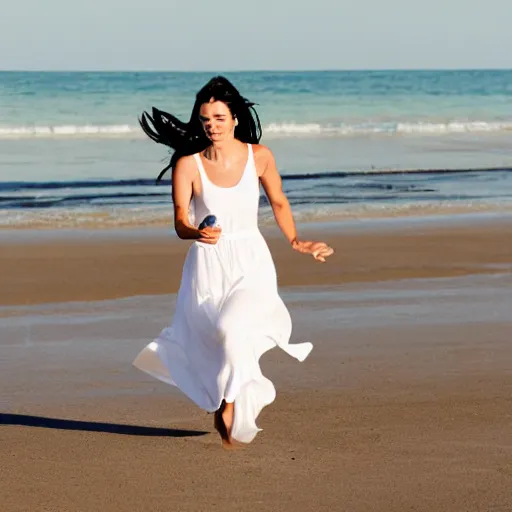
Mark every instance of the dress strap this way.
pixel 205 181
pixel 251 164
pixel 200 167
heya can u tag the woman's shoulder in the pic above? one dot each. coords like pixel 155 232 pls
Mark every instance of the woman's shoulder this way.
pixel 263 158
pixel 186 165
pixel 186 160
pixel 262 152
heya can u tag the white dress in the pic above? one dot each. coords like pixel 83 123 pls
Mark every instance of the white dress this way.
pixel 228 311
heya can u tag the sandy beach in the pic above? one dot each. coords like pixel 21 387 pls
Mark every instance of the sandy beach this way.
pixel 404 403
pixel 57 268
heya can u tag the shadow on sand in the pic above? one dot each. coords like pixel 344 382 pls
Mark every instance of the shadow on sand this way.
pixel 91 426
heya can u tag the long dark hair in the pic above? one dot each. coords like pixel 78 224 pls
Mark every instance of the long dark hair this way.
pixel 189 138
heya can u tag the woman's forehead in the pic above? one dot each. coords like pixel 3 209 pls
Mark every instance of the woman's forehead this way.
pixel 214 108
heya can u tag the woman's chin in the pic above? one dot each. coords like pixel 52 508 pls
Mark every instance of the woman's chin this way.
pixel 219 137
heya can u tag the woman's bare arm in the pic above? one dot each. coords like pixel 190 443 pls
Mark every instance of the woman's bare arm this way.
pixel 272 184
pixel 183 176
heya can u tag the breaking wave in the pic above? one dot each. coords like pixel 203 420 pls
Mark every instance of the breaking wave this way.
pixel 287 129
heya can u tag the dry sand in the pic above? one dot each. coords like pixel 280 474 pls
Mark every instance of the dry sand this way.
pixel 404 405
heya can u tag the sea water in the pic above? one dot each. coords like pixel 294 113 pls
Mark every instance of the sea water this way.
pixel 349 144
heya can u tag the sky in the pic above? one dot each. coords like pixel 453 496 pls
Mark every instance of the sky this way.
pixel 228 35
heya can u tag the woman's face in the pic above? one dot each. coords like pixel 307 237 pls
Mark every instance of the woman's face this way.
pixel 217 121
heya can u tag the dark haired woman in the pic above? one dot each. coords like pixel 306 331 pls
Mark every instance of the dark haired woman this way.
pixel 228 310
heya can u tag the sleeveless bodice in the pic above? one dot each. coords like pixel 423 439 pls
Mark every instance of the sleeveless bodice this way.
pixel 236 208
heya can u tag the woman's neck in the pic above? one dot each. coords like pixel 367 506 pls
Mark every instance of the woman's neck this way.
pixel 220 151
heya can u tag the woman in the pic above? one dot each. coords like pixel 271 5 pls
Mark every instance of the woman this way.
pixel 228 310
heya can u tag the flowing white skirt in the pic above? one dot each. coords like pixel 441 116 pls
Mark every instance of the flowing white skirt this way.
pixel 228 314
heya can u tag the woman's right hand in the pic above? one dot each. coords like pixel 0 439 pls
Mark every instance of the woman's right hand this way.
pixel 209 235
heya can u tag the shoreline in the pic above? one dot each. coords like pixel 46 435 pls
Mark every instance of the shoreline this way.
pixel 329 224
pixel 118 220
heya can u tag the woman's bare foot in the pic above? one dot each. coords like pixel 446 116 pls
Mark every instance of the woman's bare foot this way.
pixel 218 423
pixel 223 422
pixel 227 418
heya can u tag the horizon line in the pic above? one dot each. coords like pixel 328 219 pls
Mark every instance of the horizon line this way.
pixel 263 70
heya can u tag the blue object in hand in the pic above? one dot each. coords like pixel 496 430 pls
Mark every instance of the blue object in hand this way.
pixel 208 221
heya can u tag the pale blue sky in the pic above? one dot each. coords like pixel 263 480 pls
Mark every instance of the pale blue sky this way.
pixel 266 34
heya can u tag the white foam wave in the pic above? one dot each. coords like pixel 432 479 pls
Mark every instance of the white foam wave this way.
pixel 454 127
pixel 288 129
pixel 296 128
pixel 14 132
pixel 391 128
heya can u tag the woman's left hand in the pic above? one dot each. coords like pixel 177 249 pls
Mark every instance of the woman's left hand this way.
pixel 319 250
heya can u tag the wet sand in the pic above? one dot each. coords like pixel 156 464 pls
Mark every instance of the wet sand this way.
pixel 404 403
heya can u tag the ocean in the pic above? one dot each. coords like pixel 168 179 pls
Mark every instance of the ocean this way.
pixel 349 144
